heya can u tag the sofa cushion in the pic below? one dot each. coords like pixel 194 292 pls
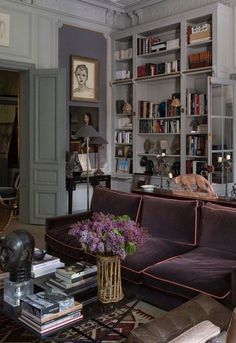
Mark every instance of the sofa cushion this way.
pixel 176 220
pixel 161 249
pixel 218 227
pixel 118 203
pixel 66 245
pixel 202 269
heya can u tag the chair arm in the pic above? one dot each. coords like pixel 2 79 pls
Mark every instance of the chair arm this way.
pixel 59 221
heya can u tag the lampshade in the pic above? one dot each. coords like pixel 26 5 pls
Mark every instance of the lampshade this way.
pixel 98 140
pixel 86 131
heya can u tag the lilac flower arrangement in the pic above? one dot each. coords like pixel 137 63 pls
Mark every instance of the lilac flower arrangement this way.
pixel 108 235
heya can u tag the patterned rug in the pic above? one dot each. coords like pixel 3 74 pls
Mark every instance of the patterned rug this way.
pixel 10 332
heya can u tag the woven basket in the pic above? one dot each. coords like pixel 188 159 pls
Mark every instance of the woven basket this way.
pixel 109 279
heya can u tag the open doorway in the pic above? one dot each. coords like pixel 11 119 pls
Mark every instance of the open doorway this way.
pixel 9 129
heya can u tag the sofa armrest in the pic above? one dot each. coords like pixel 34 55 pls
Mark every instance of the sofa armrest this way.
pixel 233 286
pixel 54 222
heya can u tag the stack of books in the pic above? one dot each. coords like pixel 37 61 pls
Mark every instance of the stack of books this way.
pixel 79 276
pixel 48 264
pixel 49 310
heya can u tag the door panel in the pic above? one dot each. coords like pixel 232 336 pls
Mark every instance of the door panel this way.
pixel 47 145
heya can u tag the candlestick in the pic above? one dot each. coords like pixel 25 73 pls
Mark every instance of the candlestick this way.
pixel 220 159
pixel 227 157
pixel 170 176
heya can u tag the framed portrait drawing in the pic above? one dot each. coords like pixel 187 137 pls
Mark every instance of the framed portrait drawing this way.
pixel 84 79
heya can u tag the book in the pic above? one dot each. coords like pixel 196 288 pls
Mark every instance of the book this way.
pixel 46 318
pixel 53 326
pixel 46 270
pixel 75 279
pixel 47 260
pixel 63 284
pixel 77 269
pixel 46 302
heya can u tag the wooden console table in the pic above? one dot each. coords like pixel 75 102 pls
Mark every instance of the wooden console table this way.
pixel 94 181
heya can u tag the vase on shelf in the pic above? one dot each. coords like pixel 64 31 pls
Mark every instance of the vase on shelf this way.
pixel 109 279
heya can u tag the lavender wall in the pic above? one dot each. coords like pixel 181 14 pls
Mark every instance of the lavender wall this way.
pixel 76 41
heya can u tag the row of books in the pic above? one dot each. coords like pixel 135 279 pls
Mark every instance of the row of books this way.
pixel 148 109
pixel 198 33
pixel 153 69
pixel 195 167
pixel 196 103
pixel 47 311
pixel 123 137
pixel 200 60
pixel 159 126
pixel 48 264
pixel 196 145
pixel 147 45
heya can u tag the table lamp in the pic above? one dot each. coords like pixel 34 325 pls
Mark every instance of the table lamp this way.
pixel 87 132
pixel 98 141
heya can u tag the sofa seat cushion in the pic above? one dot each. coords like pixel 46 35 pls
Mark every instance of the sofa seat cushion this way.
pixel 161 249
pixel 171 219
pixel 202 270
pixel 58 240
pixel 117 203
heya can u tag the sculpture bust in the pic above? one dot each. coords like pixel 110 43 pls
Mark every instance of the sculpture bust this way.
pixel 16 252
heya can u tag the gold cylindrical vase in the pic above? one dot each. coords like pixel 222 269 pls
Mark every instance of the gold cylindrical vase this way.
pixel 109 279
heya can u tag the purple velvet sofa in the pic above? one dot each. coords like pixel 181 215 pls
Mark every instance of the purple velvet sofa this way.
pixel 192 248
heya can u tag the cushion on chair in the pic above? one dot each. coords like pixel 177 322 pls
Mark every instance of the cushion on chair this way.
pixel 176 220
pixel 118 203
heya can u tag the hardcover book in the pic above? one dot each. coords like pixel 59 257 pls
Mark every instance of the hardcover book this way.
pixel 77 269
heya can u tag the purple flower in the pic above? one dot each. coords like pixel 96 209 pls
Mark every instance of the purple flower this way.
pixel 108 235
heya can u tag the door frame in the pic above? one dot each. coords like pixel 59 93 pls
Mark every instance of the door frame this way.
pixel 25 108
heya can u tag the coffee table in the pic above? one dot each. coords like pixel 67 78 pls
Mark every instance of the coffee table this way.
pixel 92 310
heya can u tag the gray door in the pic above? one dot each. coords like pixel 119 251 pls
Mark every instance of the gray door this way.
pixel 47 145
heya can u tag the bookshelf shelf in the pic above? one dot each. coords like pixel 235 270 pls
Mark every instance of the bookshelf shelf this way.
pixel 157 77
pixel 159 53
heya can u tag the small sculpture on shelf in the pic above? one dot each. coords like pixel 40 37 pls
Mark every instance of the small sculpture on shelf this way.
pixel 127 108
pixel 226 167
pixel 148 164
pixel 233 192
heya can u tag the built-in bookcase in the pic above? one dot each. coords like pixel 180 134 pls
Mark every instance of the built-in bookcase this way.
pixel 173 62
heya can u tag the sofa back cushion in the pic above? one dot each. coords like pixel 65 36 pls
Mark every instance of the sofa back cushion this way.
pixel 175 220
pixel 118 203
pixel 218 227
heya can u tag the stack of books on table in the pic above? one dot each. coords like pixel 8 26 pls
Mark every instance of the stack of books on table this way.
pixel 79 276
pixel 47 311
pixel 48 264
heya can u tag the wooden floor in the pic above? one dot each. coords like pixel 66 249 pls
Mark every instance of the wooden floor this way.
pixel 37 231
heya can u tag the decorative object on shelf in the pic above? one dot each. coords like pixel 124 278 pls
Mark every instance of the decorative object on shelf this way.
pixel 162 167
pixel 148 164
pixel 119 106
pixel 98 141
pixel 168 181
pixel 111 239
pixel 163 145
pixel 149 146
pixel 73 166
pixel 175 106
pixel 87 132
pixel 16 253
pixel 84 78
pixel 175 146
pixel 195 183
pixel 127 108
pixel 226 165
pixel 194 125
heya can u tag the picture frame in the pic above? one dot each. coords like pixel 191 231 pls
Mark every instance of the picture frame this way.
pixel 83 162
pixel 84 79
pixel 119 151
pixel 123 165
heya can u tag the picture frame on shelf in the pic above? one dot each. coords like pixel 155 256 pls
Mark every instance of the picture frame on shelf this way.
pixel 123 165
pixel 119 151
pixel 84 79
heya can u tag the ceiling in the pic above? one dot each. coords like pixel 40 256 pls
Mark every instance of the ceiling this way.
pixel 123 5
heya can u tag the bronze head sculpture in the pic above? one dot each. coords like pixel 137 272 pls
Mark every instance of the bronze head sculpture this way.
pixel 16 252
